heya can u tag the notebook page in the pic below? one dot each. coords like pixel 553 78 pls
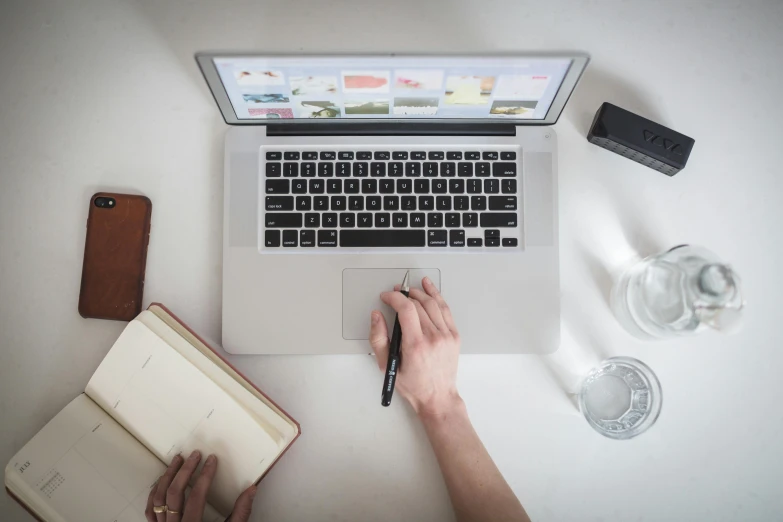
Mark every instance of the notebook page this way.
pixel 171 407
pixel 84 467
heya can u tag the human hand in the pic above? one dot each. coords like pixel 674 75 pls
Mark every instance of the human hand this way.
pixel 169 493
pixel 427 377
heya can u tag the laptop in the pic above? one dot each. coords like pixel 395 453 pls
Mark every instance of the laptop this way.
pixel 344 172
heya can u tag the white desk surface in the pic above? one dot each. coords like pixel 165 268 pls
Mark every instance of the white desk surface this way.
pixel 106 95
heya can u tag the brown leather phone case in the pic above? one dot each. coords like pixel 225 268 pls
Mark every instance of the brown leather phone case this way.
pixel 115 257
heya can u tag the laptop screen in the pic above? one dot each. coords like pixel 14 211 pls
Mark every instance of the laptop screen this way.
pixel 264 88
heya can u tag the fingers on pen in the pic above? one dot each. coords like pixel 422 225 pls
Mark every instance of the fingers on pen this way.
pixel 406 312
pixel 379 338
pixel 244 505
pixel 175 494
pixel 198 495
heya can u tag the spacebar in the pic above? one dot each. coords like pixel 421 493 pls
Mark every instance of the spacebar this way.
pixel 382 238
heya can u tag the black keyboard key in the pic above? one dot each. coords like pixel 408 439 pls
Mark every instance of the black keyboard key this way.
pixel 283 220
pixel 369 186
pixel 421 186
pixel 274 156
pixel 290 238
pixel 418 155
pixel 345 155
pixel 347 220
pixel 334 186
pixel 508 186
pixel 329 220
pixel 272 238
pixel 351 186
pixel 452 219
pixel 355 203
pixel 443 202
pixel 279 202
pixel 382 220
pixel 405 186
pixel 364 155
pixel 396 170
pixel 448 169
pixel 382 238
pixel 502 202
pixel 278 186
pixel 391 203
pixel 504 170
pixel 465 170
pixel 382 155
pixel 430 169
pixel 418 219
pixel 327 238
pixel 307 238
pixel 413 169
pixel 493 241
pixel 474 186
pixel 338 203
pixel 491 186
pixel 456 186
pixel 509 241
pixel 490 155
pixel 272 170
pixel 508 155
pixel 321 203
pixel 461 203
pixel 482 170
pixel 312 220
pixel 308 170
pixel 491 233
pixel 291 155
pixel 360 170
pixel 299 186
pixel 436 238
pixel 400 220
pixel 499 219
pixel 436 155
pixel 290 170
pixel 475 242
pixel 377 170
pixel 309 155
pixel 426 203
pixel 457 238
pixel 439 186
pixel 454 155
pixel 408 202
pixel 325 170
pixel 364 220
pixel 343 169
pixel 469 219
pixel 472 155
pixel 303 203
pixel 317 186
pixel 435 219
pixel 400 155
pixel 478 203
pixel 328 155
pixel 386 186
pixel 373 202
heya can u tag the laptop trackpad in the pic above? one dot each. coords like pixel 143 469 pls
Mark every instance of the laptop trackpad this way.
pixel 361 295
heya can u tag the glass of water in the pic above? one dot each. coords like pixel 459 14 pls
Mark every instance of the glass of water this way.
pixel 621 398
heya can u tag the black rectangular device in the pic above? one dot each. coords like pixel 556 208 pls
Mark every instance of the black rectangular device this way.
pixel 640 139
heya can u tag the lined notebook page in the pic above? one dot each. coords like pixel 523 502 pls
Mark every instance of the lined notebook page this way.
pixel 84 467
pixel 172 407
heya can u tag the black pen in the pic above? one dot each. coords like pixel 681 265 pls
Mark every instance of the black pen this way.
pixel 395 355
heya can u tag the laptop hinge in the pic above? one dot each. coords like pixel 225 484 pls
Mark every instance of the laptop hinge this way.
pixel 391 129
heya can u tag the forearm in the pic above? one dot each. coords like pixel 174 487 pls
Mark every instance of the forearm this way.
pixel 477 489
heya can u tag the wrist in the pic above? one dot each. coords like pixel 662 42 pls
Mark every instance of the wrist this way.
pixel 438 410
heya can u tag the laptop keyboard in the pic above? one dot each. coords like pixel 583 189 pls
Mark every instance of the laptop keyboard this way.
pixel 391 198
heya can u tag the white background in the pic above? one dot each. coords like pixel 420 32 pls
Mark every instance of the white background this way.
pixel 105 95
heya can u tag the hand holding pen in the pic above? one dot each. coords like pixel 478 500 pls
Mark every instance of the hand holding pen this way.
pixel 429 347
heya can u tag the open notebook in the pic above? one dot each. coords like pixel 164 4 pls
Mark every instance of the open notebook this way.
pixel 160 391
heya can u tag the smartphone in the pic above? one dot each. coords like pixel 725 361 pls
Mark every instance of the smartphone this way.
pixel 115 256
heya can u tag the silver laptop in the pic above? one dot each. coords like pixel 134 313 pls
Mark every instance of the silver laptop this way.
pixel 343 172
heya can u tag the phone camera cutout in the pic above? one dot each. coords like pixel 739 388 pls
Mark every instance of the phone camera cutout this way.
pixel 103 202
